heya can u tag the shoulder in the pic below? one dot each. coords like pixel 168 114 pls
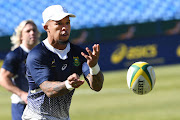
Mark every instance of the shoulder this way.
pixel 76 48
pixel 39 49
pixel 39 52
pixel 76 53
pixel 12 60
pixel 14 55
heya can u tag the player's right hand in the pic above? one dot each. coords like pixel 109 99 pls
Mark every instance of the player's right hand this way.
pixel 24 96
pixel 74 80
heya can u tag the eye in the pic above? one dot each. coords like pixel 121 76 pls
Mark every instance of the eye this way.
pixel 59 23
pixel 28 31
pixel 68 22
pixel 34 30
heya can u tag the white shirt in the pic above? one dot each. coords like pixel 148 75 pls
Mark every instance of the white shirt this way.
pixel 61 53
pixel 24 48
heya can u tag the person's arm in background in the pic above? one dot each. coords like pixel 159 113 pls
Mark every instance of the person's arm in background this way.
pixel 6 82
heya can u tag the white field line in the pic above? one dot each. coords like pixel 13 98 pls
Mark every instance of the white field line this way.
pixel 103 91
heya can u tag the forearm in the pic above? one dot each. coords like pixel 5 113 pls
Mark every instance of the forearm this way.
pixel 57 88
pixel 11 87
pixel 54 89
pixel 5 81
pixel 96 81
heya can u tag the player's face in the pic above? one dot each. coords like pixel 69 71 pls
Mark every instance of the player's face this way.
pixel 60 30
pixel 29 35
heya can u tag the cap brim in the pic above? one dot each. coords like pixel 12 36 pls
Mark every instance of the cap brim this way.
pixel 60 17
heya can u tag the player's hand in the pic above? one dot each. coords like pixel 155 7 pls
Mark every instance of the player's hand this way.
pixel 93 56
pixel 24 96
pixel 74 80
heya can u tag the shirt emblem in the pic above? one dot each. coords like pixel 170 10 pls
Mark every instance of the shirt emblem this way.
pixel 76 61
pixel 53 63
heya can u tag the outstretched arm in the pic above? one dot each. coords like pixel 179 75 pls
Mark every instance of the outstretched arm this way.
pixel 95 77
pixel 56 88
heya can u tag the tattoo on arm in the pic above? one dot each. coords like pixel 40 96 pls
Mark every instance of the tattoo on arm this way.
pixel 96 81
pixel 53 88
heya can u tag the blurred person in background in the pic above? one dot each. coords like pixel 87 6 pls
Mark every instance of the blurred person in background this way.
pixel 81 39
pixel 174 30
pixel 54 67
pixel 12 73
pixel 127 35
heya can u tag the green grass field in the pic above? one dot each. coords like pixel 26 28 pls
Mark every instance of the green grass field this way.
pixel 117 102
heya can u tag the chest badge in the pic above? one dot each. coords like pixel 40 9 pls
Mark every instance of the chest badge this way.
pixel 76 61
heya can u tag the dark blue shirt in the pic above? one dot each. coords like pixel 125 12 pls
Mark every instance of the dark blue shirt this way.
pixel 43 65
pixel 15 63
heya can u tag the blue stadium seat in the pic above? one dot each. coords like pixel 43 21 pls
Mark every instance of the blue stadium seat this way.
pixel 91 13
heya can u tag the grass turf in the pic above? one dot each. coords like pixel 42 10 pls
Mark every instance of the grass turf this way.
pixel 116 101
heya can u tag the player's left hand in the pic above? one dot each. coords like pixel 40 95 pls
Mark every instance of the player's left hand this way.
pixel 93 56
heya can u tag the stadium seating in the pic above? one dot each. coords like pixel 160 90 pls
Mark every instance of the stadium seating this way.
pixel 90 13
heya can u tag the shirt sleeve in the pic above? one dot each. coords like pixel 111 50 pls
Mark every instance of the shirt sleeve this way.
pixel 38 67
pixel 11 63
pixel 85 69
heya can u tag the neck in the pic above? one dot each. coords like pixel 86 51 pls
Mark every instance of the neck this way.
pixel 25 48
pixel 30 47
pixel 58 45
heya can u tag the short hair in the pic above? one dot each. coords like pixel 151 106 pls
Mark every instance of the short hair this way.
pixel 16 37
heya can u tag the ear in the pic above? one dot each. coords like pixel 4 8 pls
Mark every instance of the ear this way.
pixel 21 38
pixel 46 27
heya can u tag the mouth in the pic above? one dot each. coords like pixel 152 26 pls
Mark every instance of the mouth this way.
pixel 33 38
pixel 64 33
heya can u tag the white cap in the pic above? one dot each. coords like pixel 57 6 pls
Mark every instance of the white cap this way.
pixel 55 12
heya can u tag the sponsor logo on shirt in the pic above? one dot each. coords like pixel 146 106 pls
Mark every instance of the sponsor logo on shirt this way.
pixel 64 67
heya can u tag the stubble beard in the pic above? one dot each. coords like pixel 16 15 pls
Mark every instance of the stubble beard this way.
pixel 63 42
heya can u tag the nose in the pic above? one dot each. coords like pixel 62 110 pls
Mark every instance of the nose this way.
pixel 32 32
pixel 64 27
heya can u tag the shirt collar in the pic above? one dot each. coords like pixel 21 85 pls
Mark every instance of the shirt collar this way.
pixel 61 53
pixel 24 48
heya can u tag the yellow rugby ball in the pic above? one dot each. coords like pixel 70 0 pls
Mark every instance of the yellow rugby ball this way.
pixel 141 78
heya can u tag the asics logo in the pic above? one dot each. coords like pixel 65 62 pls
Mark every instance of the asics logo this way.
pixel 64 67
